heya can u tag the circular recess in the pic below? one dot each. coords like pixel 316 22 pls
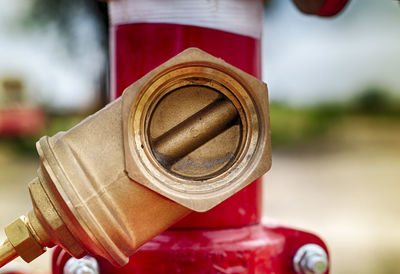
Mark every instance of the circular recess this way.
pixel 195 131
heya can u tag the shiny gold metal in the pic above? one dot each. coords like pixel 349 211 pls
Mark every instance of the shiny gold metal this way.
pixel 7 253
pixel 23 240
pixel 186 136
pixel 217 158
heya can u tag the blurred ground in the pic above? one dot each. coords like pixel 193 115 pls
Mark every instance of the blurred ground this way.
pixel 18 165
pixel 342 185
pixel 346 189
pixel 16 171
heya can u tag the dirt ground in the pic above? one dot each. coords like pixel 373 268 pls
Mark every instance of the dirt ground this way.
pixel 345 188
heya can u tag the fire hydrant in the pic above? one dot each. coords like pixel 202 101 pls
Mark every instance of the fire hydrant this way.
pixel 184 137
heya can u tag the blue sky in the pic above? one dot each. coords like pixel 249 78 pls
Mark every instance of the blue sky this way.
pixel 306 59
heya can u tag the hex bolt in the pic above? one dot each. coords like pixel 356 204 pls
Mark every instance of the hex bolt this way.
pixel 85 265
pixel 310 259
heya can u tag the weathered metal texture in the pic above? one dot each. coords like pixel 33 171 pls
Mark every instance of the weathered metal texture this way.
pixel 147 46
pixel 263 248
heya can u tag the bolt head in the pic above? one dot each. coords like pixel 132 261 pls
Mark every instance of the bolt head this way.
pixel 85 265
pixel 310 259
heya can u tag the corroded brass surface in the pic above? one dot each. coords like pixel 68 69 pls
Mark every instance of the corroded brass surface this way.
pixel 186 136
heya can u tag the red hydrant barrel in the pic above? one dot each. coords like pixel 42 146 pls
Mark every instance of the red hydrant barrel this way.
pixel 229 238
pixel 147 33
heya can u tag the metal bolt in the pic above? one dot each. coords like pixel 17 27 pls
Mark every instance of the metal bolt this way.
pixel 310 259
pixel 85 265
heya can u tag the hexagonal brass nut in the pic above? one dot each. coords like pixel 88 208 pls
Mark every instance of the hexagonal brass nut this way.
pixel 196 68
pixel 23 241
pixel 44 209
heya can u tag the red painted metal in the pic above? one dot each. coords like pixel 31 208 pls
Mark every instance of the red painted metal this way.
pixel 228 238
pixel 332 7
pixel 139 48
pixel 252 249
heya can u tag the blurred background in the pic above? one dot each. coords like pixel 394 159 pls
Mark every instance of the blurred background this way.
pixel 335 115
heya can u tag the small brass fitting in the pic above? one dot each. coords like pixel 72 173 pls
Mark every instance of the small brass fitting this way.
pixel 185 137
pixel 23 240
pixel 7 253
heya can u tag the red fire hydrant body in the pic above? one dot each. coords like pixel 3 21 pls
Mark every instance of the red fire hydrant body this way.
pixel 230 238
